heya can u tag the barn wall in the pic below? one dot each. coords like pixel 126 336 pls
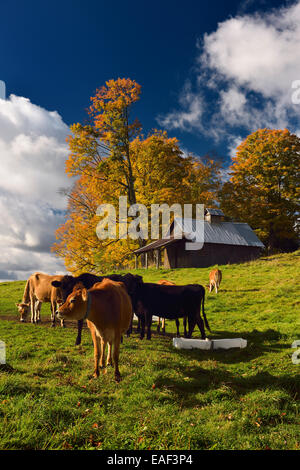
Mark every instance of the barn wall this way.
pixel 175 256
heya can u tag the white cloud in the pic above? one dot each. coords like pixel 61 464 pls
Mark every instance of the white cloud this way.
pixel 189 116
pixel 32 170
pixel 249 63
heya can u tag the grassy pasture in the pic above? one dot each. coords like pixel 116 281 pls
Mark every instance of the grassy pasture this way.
pixel 168 399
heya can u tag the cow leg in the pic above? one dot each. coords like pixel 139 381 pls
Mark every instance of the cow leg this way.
pixel 32 309
pixel 158 325
pixel 201 327
pixel 96 342
pixel 216 287
pixel 184 326
pixel 129 331
pixel 109 361
pixel 149 323
pixel 79 330
pixel 116 359
pixel 138 329
pixel 102 355
pixel 53 310
pixel 142 322
pixel 38 311
pixel 192 322
pixel 163 326
pixel 177 326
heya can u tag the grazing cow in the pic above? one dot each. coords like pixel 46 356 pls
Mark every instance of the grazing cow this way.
pixel 164 282
pixel 170 302
pixel 215 278
pixel 67 283
pixel 108 310
pixel 39 289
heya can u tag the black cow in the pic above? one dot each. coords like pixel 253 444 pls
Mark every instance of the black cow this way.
pixel 170 302
pixel 88 280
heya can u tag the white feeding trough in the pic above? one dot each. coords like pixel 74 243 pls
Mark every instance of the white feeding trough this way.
pixel 207 345
pixel 2 353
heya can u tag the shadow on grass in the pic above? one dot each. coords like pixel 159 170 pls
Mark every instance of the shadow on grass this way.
pixel 199 380
pixel 238 290
pixel 6 368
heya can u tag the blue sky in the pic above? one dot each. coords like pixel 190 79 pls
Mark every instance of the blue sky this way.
pixel 211 73
pixel 56 53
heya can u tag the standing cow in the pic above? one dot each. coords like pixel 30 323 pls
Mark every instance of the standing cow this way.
pixel 215 278
pixel 39 289
pixel 170 302
pixel 108 310
pixel 164 282
pixel 67 283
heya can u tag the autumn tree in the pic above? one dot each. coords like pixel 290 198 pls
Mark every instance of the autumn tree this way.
pixel 264 186
pixel 110 158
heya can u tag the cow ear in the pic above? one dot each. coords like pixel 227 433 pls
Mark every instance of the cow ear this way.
pixel 56 283
pixel 84 295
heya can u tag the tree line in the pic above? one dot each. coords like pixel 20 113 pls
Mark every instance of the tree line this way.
pixel 110 157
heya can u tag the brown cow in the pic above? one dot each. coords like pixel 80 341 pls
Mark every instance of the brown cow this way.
pixel 108 310
pixel 215 278
pixel 164 282
pixel 39 289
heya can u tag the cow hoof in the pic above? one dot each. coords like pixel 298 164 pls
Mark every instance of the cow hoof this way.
pixel 158 329
pixel 117 378
pixel 96 374
pixel 53 325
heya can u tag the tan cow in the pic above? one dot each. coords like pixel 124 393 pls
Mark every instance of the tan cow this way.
pixel 215 278
pixel 39 289
pixel 108 310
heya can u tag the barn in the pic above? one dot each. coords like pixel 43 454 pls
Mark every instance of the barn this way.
pixel 225 242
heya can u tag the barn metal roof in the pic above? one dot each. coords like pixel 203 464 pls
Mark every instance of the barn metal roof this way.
pixel 225 233
pixel 155 245
pixel 209 211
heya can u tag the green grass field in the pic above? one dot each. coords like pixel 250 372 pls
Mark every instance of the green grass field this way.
pixel 167 399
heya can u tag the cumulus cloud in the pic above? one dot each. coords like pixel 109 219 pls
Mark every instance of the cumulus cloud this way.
pixel 189 116
pixel 32 170
pixel 249 64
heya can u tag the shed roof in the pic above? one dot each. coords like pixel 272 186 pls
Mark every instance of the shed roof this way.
pixel 155 245
pixel 223 233
pixel 209 211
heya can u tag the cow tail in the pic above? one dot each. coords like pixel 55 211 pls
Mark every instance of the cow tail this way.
pixel 26 295
pixel 203 313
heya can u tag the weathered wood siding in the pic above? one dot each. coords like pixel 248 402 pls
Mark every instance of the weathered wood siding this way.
pixel 176 256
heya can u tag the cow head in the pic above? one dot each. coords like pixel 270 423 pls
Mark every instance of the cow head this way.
pixel 75 305
pixel 65 286
pixel 132 282
pixel 23 310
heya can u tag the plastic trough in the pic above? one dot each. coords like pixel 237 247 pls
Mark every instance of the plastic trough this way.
pixel 207 345
pixel 2 353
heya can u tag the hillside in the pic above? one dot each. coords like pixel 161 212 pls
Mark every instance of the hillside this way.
pixel 168 399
